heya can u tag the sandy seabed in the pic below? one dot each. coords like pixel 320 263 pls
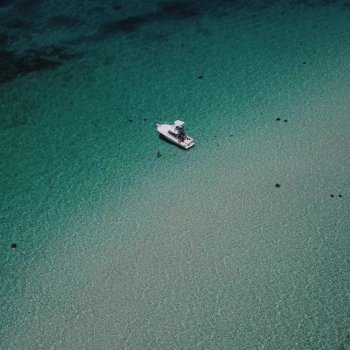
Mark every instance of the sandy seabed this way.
pixel 117 248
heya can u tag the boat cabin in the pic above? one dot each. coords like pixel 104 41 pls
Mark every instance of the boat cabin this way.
pixel 178 130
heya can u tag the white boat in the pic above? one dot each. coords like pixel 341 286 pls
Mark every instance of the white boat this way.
pixel 176 134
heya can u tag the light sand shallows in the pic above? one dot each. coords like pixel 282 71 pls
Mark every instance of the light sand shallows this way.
pixel 212 254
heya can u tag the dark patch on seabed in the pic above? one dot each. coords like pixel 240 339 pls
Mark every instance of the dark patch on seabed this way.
pixel 19 24
pixel 18 20
pixel 15 64
pixel 178 10
pixel 4 39
pixel 62 21
pixel 314 3
pixel 166 11
pixel 127 25
pixel 33 60
pixel 27 7
pixel 4 3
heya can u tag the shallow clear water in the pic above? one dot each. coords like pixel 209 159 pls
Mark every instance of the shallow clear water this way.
pixel 117 248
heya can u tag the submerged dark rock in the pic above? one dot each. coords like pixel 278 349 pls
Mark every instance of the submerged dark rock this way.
pixel 277 185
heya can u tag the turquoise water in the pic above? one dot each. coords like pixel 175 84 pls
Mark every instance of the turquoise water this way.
pixel 117 248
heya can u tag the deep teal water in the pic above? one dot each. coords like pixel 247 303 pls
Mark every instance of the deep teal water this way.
pixel 119 248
